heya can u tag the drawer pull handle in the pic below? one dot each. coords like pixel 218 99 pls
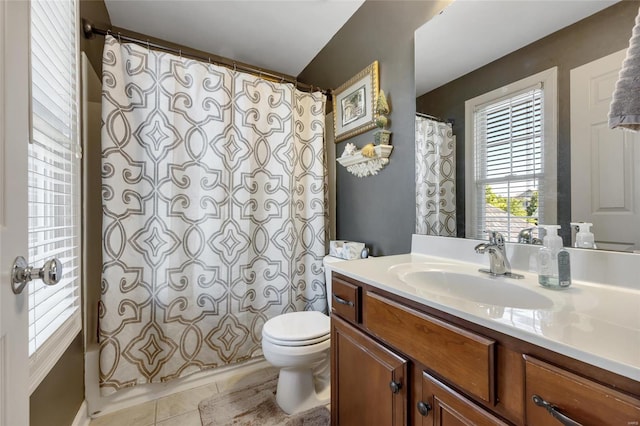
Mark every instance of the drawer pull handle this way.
pixel 341 300
pixel 424 408
pixel 553 410
pixel 395 386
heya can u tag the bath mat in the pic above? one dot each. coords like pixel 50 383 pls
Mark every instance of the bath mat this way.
pixel 256 406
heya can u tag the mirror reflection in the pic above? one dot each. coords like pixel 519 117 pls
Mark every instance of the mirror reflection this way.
pixel 525 89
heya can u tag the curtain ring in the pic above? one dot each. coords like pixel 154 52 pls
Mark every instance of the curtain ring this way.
pixel 119 40
pixel 235 68
pixel 148 46
pixel 180 52
pixel 109 32
pixel 282 79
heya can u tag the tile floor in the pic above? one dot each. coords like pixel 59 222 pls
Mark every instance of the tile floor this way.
pixel 180 409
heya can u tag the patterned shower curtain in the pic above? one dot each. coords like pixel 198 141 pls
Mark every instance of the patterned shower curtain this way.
pixel 435 178
pixel 213 213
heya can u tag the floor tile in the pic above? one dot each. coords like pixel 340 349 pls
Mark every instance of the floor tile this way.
pixel 190 418
pixel 244 380
pixel 139 415
pixel 183 402
pixel 180 409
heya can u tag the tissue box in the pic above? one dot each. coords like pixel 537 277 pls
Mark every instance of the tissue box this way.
pixel 348 250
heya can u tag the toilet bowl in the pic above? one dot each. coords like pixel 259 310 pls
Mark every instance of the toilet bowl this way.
pixel 298 344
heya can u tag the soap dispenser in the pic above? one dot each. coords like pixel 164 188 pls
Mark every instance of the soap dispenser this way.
pixel 553 260
pixel 584 237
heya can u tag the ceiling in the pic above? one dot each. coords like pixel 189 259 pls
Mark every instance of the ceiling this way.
pixel 485 31
pixel 285 36
pixel 282 36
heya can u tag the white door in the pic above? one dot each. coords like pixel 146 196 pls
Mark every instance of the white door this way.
pixel 14 137
pixel 605 163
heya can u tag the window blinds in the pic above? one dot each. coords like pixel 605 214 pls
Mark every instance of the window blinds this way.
pixel 509 163
pixel 54 167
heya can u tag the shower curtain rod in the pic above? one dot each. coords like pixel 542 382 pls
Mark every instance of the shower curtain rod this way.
pixel 429 116
pixel 89 32
pixel 433 117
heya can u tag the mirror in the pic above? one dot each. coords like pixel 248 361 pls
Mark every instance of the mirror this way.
pixel 475 47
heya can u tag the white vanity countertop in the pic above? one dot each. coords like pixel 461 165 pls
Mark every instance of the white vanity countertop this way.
pixel 595 323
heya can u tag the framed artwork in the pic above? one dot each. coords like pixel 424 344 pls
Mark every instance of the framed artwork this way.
pixel 354 104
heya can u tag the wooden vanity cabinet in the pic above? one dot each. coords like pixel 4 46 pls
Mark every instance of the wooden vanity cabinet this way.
pixel 448 371
pixel 371 380
pixel 458 355
pixel 346 298
pixel 442 406
pixel 572 397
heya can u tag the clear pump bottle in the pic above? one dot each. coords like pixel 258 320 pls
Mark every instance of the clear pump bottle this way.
pixel 553 260
pixel 584 237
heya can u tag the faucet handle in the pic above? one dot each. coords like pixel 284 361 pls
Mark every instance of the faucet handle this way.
pixel 526 235
pixel 492 235
pixel 495 237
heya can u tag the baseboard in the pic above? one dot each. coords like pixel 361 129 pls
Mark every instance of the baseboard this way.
pixel 82 417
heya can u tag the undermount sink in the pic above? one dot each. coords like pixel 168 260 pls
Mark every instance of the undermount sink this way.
pixel 485 290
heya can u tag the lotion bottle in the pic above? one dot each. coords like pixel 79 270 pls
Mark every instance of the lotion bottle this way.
pixel 584 237
pixel 554 267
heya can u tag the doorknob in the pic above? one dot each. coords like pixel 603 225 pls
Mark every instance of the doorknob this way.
pixel 22 273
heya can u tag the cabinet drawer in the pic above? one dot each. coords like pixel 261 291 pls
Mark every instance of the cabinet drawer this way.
pixel 444 406
pixel 345 299
pixel 459 356
pixel 581 400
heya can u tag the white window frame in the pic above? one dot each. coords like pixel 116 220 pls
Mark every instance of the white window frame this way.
pixel 549 81
pixel 42 361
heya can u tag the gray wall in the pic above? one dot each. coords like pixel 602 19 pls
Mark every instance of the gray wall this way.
pixel 594 37
pixel 96 12
pixel 57 399
pixel 378 210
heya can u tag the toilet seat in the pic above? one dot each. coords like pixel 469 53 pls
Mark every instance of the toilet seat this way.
pixel 309 342
pixel 297 329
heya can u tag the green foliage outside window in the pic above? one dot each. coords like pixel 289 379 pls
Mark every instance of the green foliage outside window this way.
pixel 517 206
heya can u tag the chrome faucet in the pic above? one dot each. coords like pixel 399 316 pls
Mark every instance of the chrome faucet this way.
pixel 525 236
pixel 498 262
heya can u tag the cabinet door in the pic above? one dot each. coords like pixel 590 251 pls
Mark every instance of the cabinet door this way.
pixel 368 381
pixel 442 406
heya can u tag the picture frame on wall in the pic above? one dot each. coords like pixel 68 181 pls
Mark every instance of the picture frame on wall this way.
pixel 354 104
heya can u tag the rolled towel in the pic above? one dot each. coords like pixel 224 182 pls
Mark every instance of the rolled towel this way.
pixel 624 111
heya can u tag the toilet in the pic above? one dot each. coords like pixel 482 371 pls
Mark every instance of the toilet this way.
pixel 298 344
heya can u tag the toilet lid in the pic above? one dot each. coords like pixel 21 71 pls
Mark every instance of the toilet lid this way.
pixel 296 328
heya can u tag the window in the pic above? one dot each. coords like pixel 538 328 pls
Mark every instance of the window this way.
pixel 511 147
pixel 54 185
